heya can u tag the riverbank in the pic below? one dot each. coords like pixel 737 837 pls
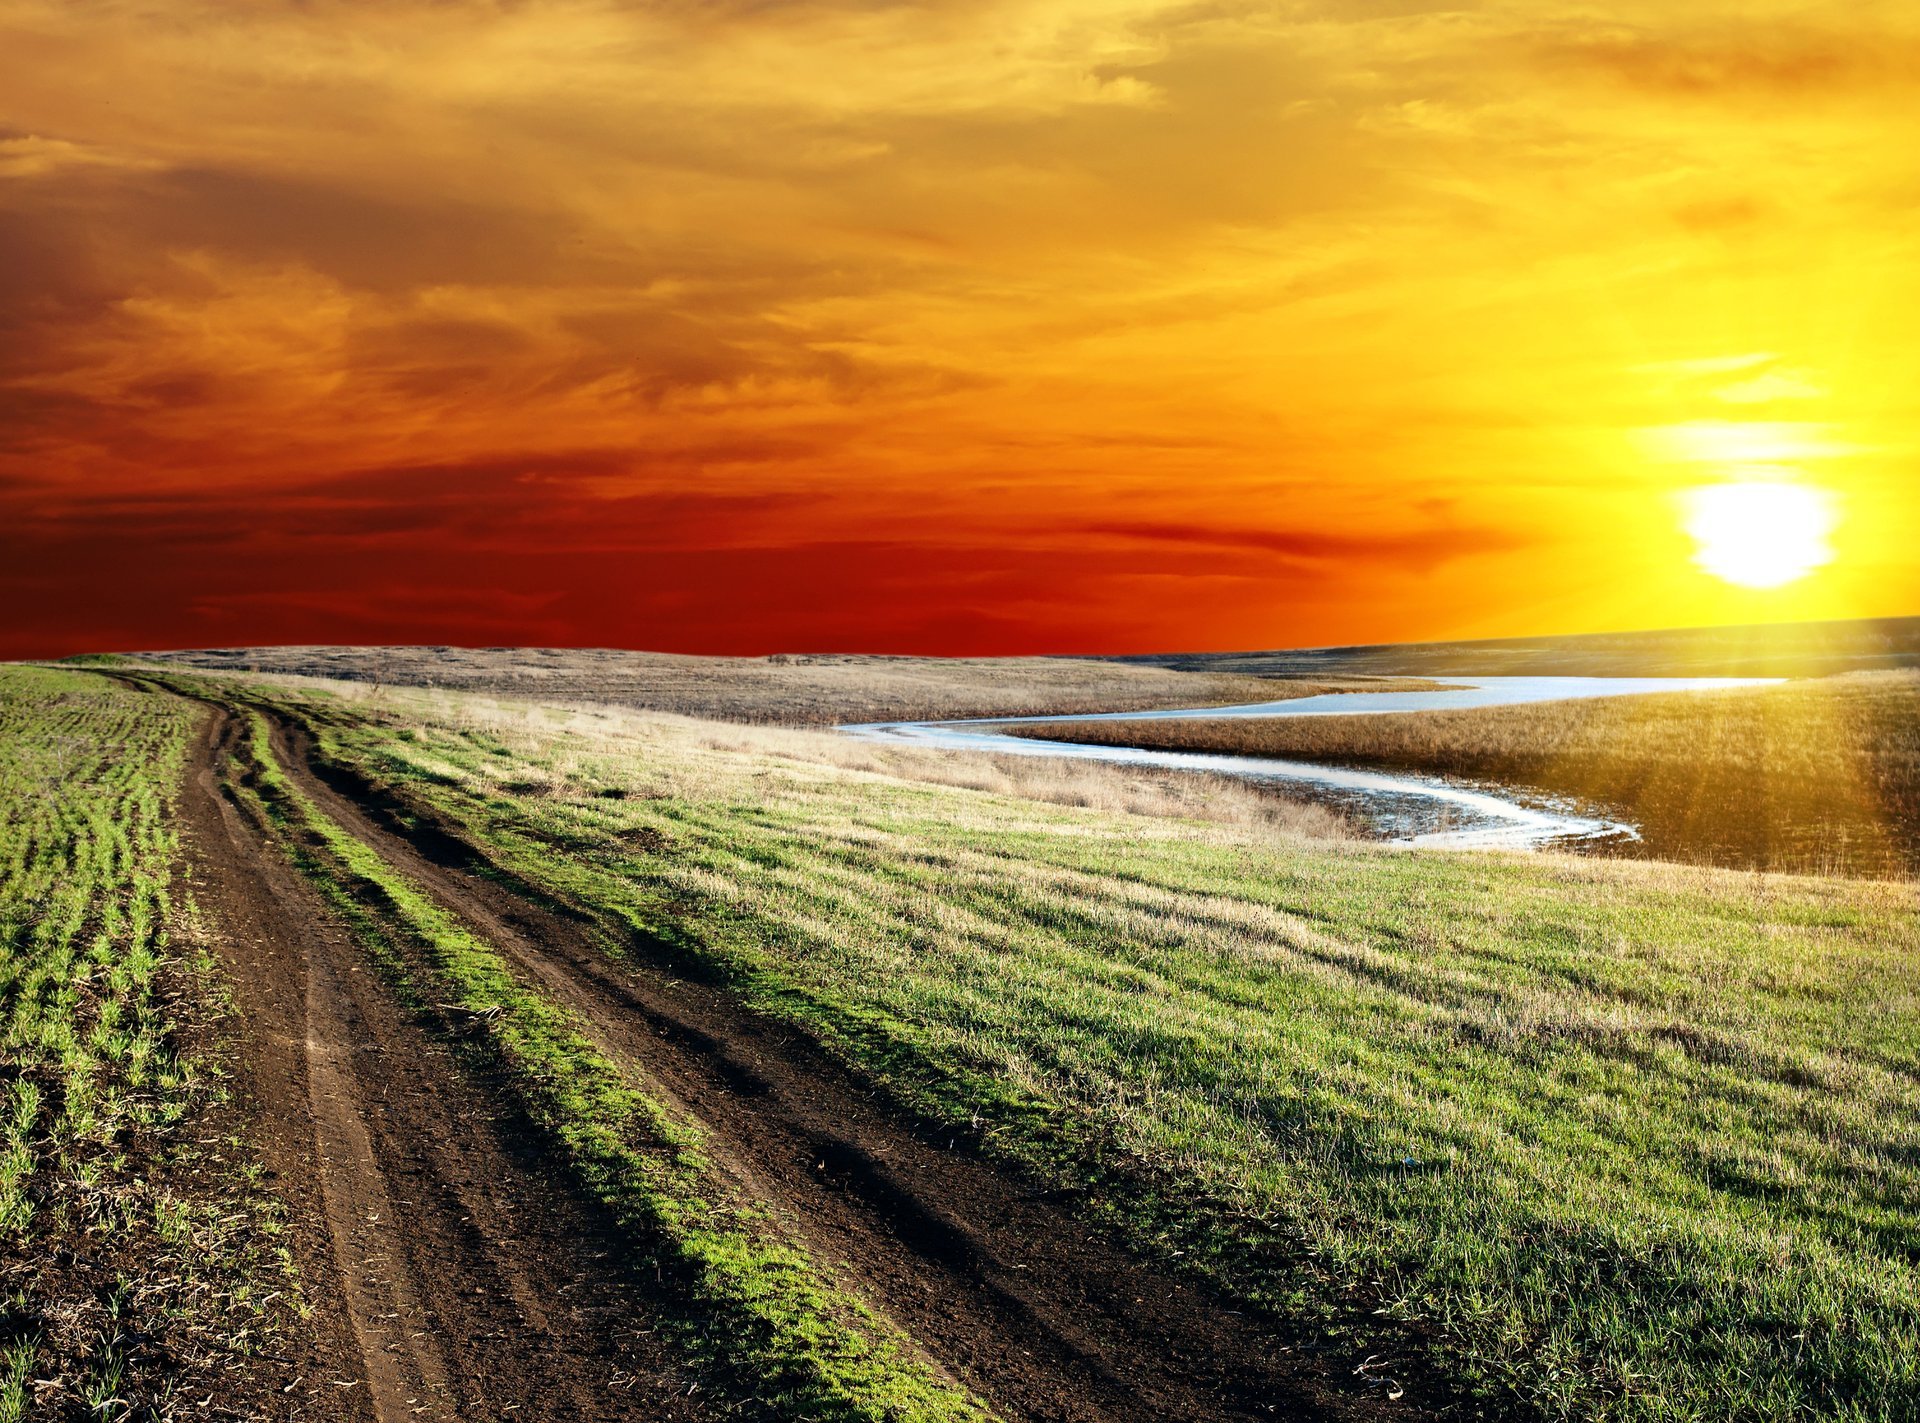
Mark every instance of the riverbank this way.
pixel 1429 809
pixel 1820 775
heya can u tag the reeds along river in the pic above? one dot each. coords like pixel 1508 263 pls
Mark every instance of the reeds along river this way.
pixel 1404 809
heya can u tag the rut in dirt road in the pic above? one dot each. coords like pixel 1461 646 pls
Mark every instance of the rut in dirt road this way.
pixel 1033 1309
pixel 454 1275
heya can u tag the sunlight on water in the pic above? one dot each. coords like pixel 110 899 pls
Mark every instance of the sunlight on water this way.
pixel 1430 811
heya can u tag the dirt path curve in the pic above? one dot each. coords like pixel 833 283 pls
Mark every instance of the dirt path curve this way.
pixel 1035 1310
pixel 453 1277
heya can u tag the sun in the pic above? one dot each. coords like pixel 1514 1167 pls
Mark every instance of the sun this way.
pixel 1760 533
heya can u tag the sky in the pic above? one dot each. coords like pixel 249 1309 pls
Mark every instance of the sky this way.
pixel 959 326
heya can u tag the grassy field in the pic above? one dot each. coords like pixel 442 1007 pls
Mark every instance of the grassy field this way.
pixel 1819 775
pixel 739 1295
pixel 1820 649
pixel 1223 800
pixel 795 690
pixel 139 1268
pixel 1597 1140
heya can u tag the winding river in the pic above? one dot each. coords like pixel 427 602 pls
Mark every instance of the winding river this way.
pixel 1404 809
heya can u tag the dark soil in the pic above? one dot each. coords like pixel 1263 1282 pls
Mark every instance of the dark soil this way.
pixel 452 1273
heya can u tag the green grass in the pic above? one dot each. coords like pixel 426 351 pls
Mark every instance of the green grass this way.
pixel 1598 1140
pixel 758 1312
pixel 135 1261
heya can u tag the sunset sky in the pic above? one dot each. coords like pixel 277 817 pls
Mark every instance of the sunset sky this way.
pixel 962 326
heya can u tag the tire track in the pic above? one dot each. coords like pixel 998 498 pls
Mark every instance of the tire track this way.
pixel 1004 1288
pixel 456 1278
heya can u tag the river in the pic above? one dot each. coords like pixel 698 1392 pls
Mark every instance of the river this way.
pixel 1405 809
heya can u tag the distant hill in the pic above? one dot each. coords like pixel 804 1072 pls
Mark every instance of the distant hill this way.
pixel 794 688
pixel 1768 650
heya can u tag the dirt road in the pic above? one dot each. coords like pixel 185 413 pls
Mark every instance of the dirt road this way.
pixel 468 1280
pixel 454 1276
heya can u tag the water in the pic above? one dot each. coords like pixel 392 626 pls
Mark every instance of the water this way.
pixel 1405 809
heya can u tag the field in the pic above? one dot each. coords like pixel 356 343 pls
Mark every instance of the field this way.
pixel 790 690
pixel 139 1256
pixel 829 1080
pixel 1819 775
pixel 1772 650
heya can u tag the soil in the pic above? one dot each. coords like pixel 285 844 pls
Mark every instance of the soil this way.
pixel 451 1273
pixel 456 1274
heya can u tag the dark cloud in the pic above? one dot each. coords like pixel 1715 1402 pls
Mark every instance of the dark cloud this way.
pixel 530 503
pixel 1420 548
pixel 377 242
pixel 53 278
pixel 826 595
pixel 29 419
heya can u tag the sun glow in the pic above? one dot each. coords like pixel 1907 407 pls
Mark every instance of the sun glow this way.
pixel 1760 533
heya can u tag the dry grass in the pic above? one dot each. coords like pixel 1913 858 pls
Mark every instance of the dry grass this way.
pixel 788 690
pixel 1089 785
pixel 592 732
pixel 1767 650
pixel 1821 775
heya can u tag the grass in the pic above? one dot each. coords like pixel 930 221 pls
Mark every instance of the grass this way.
pixel 1821 775
pixel 756 1311
pixel 1818 649
pixel 790 690
pixel 1596 1140
pixel 138 1267
pixel 1088 785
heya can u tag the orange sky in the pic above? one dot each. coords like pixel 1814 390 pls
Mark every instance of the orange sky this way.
pixel 959 326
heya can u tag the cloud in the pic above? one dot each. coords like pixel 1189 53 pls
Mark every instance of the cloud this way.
pixel 571 501
pixel 377 241
pixel 1415 549
pixel 384 614
pixel 1769 386
pixel 1755 58
pixel 985 313
pixel 32 155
